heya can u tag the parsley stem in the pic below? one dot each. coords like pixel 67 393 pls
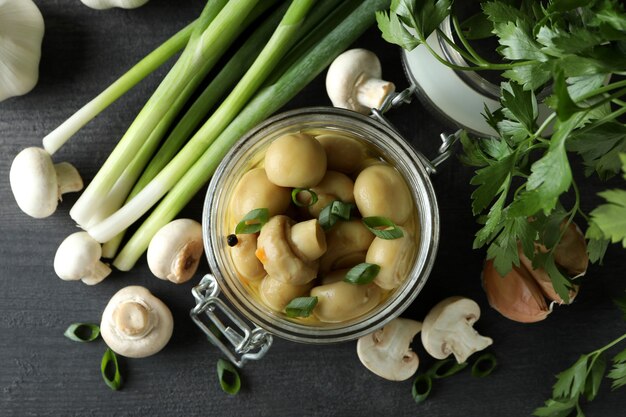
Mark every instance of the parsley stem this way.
pixel 457 48
pixel 466 44
pixel 609 345
pixel 577 208
pixel 603 89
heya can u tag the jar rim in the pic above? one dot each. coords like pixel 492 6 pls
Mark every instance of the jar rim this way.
pixel 401 298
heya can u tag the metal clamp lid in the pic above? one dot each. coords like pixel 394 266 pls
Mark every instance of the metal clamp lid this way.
pixel 448 139
pixel 246 343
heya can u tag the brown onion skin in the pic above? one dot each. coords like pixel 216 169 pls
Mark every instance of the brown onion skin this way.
pixel 516 296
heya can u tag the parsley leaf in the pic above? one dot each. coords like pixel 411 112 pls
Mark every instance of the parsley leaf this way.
pixel 393 31
pixel 610 218
pixel 621 303
pixel 600 147
pixel 618 372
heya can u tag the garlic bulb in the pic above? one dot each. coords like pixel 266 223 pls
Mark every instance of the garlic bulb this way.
pixel 109 4
pixel 21 34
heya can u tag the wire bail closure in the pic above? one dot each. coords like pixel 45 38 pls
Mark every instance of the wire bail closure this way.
pixel 449 140
pixel 245 343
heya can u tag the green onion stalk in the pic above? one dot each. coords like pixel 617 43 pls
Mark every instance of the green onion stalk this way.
pixel 232 71
pixel 268 59
pixel 57 138
pixel 221 26
pixel 267 101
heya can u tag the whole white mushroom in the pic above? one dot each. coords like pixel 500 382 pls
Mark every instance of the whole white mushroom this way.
pixel 135 323
pixel 109 4
pixel 78 258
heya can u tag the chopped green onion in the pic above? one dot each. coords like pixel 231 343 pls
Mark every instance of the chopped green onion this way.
pixel 362 273
pixel 312 195
pixel 110 370
pixel 484 365
pixel 446 368
pixel 82 332
pixel 333 212
pixel 301 307
pixel 228 377
pixel 253 221
pixel 382 227
pixel 421 388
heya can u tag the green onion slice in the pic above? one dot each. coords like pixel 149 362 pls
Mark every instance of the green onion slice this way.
pixel 82 332
pixel 362 273
pixel 110 370
pixel 253 221
pixel 484 365
pixel 228 377
pixel 421 387
pixel 311 200
pixel 301 307
pixel 333 212
pixel 382 227
pixel 446 368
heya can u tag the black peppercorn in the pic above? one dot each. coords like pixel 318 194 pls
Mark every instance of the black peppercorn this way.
pixel 232 240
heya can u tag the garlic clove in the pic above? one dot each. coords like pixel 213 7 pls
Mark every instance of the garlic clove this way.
pixel 516 296
pixel 542 278
pixel 571 252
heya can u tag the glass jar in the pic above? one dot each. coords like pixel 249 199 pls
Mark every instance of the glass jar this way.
pixel 242 157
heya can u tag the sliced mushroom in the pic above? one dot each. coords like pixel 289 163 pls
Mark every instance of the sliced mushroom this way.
pixel 37 183
pixel 346 245
pixel 387 352
pixel 354 81
pixel 380 190
pixel 255 191
pixel 279 258
pixel 295 160
pixel 78 258
pixel 175 250
pixel 277 294
pixel 395 258
pixel 341 301
pixel 135 323
pixel 447 329
pixel 244 258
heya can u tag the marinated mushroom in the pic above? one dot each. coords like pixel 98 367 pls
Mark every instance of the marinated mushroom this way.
pixel 354 81
pixel 447 329
pixel 387 351
pixel 38 184
pixel 394 256
pixel 135 323
pixel 78 258
pixel 347 243
pixel 254 190
pixel 279 254
pixel 175 250
pixel 277 294
pixel 244 258
pixel 380 190
pixel 343 154
pixel 308 239
pixel 334 186
pixel 295 160
pixel 341 301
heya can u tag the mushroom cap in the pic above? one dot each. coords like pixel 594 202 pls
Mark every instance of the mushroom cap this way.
pixel 395 258
pixel 341 301
pixel 175 250
pixel 387 351
pixel 109 4
pixel 76 256
pixel 344 74
pixel 275 251
pixel 147 323
pixel 34 182
pixel 447 329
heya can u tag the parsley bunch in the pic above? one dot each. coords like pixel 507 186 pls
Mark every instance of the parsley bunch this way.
pixel 572 53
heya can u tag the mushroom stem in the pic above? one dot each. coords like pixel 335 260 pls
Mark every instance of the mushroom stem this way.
pixel 371 92
pixel 99 272
pixel 308 239
pixel 68 178
pixel 132 319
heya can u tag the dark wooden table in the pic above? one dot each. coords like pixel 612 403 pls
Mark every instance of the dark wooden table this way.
pixel 43 373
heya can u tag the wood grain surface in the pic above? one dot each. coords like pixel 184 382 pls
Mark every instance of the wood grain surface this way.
pixel 44 374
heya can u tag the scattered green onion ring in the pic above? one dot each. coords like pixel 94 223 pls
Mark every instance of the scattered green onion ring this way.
pixel 301 307
pixel 333 212
pixel 484 365
pixel 421 387
pixel 361 274
pixel 296 191
pixel 382 227
pixel 110 370
pixel 228 377
pixel 446 368
pixel 253 221
pixel 82 332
